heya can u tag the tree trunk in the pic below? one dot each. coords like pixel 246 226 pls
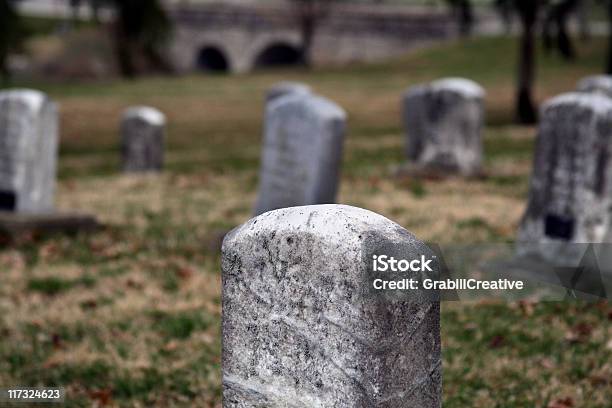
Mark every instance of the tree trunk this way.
pixel 11 32
pixel 609 62
pixel 504 9
pixel 564 41
pixel 466 17
pixel 74 9
pixel 4 72
pixel 525 109
pixel 583 19
pixel 307 34
pixel 95 11
pixel 125 52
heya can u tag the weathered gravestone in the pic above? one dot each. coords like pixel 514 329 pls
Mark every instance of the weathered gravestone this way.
pixel 302 152
pixel 570 196
pixel 443 122
pixel 301 327
pixel 28 151
pixel 142 139
pixel 597 83
pixel 285 88
pixel 28 162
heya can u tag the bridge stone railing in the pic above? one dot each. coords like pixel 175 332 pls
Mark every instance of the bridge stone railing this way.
pixel 349 33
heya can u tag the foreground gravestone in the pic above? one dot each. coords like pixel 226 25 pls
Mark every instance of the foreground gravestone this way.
pixel 571 190
pixel 443 122
pixel 142 139
pixel 28 151
pixel 300 327
pixel 597 83
pixel 286 88
pixel 302 152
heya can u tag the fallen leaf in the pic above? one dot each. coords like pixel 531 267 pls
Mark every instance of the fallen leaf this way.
pixel 185 272
pixel 579 333
pixel 497 341
pixel 57 341
pixel 567 402
pixel 599 379
pixel 89 304
pixel 103 397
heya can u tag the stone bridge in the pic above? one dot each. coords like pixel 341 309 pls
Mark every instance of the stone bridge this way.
pixel 240 38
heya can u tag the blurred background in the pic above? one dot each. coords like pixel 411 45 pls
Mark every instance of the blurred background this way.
pixel 130 315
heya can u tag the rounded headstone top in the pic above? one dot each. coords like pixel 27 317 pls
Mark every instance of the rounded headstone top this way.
pixel 463 86
pixel 145 113
pixel 287 87
pixel 322 107
pixel 596 83
pixel 595 102
pixel 30 97
pixel 337 222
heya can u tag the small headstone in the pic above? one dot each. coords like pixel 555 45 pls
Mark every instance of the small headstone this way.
pixel 142 136
pixel 28 151
pixel 443 123
pixel 597 83
pixel 571 186
pixel 302 152
pixel 301 329
pixel 285 88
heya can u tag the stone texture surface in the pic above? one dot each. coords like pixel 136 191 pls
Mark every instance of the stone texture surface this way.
pixel 571 185
pixel 285 88
pixel 142 137
pixel 28 151
pixel 300 328
pixel 596 83
pixel 302 152
pixel 443 122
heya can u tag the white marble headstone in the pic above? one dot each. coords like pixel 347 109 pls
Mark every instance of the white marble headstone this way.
pixel 28 151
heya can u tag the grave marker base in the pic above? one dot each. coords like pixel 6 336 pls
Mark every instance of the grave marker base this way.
pixel 13 225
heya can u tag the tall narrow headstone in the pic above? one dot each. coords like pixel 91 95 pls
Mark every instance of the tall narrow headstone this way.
pixel 286 88
pixel 597 83
pixel 443 122
pixel 301 326
pixel 142 136
pixel 570 196
pixel 302 152
pixel 28 151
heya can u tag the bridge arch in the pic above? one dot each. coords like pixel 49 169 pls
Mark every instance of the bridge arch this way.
pixel 277 54
pixel 212 58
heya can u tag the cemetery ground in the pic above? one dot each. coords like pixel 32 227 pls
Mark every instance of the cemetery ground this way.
pixel 130 315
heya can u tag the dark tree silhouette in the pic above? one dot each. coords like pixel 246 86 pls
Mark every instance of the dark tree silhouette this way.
pixel 464 13
pixel 141 28
pixel 74 8
pixel 583 10
pixel 308 14
pixel 557 16
pixel 505 11
pixel 10 35
pixel 609 58
pixel 95 6
pixel 528 11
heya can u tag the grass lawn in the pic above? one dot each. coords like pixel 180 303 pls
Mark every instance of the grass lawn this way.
pixel 130 315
